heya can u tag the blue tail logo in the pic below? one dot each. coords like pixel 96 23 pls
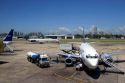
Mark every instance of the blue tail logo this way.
pixel 9 36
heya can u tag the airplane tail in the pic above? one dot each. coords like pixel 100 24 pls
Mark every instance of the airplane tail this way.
pixel 9 36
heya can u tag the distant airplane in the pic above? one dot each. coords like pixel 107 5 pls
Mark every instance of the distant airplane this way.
pixel 8 40
pixel 38 40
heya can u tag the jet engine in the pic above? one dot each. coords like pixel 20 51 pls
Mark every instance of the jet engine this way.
pixel 107 58
pixel 33 40
pixel 70 61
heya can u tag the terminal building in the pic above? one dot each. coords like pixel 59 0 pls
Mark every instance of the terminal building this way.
pixel 60 36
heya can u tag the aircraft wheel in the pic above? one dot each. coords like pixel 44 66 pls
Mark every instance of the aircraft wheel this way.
pixel 77 69
pixel 66 65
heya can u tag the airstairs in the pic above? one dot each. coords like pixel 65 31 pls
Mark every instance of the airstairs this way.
pixel 9 48
pixel 111 64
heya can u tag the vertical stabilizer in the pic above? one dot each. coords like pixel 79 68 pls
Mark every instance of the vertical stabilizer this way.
pixel 9 36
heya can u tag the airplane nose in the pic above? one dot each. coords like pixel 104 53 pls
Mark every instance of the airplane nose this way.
pixel 93 64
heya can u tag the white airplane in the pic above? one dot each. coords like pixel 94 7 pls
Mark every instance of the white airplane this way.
pixel 88 57
pixel 44 40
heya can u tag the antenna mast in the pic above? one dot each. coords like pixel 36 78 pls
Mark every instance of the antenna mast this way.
pixel 83 34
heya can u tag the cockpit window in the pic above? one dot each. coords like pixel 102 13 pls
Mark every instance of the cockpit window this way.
pixel 88 56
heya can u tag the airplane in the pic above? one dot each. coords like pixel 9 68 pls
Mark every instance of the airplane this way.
pixel 87 55
pixel 8 40
pixel 38 40
pixel 88 58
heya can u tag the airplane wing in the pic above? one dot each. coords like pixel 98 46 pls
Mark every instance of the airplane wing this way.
pixel 70 59
pixel 65 55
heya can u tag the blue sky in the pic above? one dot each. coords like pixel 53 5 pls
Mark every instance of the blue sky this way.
pixel 49 15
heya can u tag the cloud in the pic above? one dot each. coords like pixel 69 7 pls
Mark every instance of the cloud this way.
pixel 105 30
pixel 79 30
pixel 64 30
pixel 60 30
pixel 120 30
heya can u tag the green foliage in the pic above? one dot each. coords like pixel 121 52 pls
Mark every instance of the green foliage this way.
pixel 78 36
pixel 1 46
pixel 98 36
pixel 115 41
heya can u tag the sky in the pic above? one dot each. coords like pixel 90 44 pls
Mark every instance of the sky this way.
pixel 53 15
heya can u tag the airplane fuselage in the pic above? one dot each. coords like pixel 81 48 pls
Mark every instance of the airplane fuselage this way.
pixel 43 40
pixel 7 42
pixel 89 56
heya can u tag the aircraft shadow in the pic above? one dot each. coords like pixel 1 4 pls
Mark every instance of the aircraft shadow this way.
pixel 109 71
pixel 119 61
pixel 95 74
pixel 7 54
pixel 18 50
pixel 3 62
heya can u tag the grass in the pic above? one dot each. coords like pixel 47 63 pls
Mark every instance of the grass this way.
pixel 117 41
pixel 70 40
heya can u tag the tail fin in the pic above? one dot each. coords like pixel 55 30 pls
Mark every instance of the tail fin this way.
pixel 9 36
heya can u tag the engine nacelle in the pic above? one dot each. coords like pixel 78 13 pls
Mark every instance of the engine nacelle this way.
pixel 70 61
pixel 107 57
